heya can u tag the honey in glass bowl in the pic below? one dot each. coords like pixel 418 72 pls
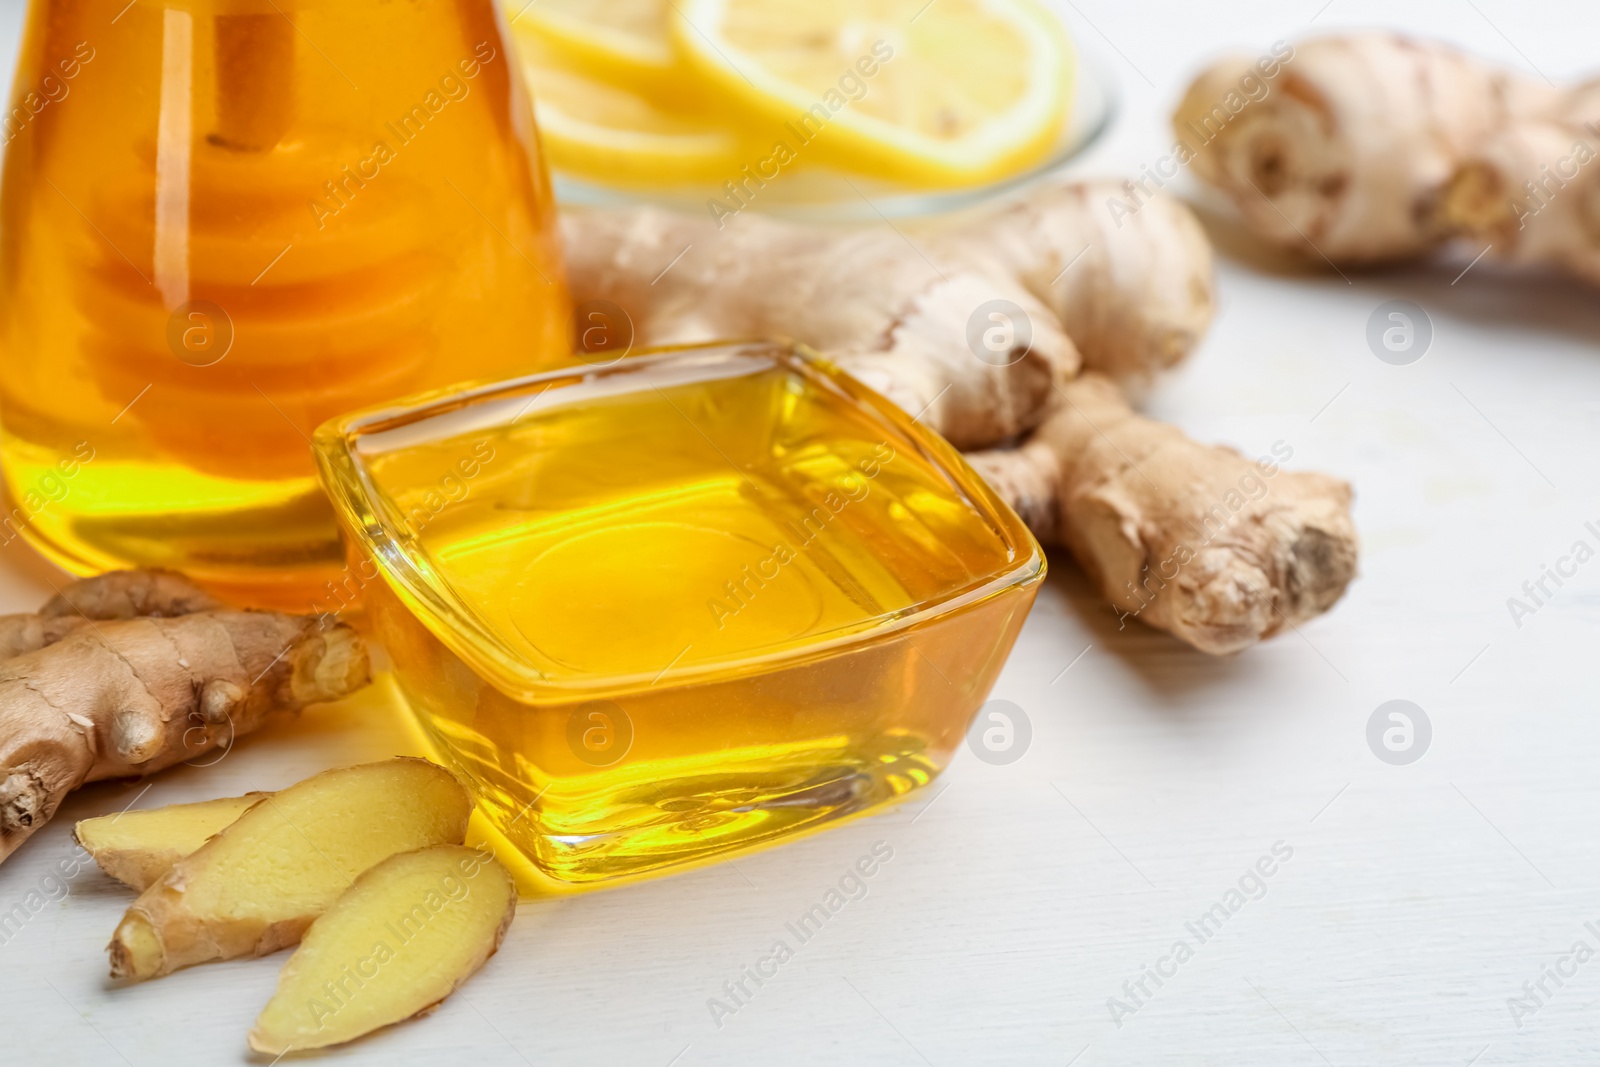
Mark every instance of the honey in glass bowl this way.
pixel 224 222
pixel 699 601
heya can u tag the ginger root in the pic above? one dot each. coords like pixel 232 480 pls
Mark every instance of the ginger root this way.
pixel 149 593
pixel 1199 541
pixel 131 697
pixel 1135 293
pixel 392 947
pixel 894 307
pixel 1531 190
pixel 1371 147
pixel 258 884
pixel 896 310
pixel 881 310
pixel 30 632
pixel 117 595
pixel 138 847
pixel 1345 154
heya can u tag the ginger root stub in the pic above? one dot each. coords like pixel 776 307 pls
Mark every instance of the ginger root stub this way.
pixel 1193 539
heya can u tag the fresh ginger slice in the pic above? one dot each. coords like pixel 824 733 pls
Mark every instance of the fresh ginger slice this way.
pixel 138 847
pixel 392 947
pixel 257 885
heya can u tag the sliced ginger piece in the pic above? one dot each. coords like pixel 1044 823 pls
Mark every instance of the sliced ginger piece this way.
pixel 138 847
pixel 392 947
pixel 257 885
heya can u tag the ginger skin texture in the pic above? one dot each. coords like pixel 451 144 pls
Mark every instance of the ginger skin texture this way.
pixel 1199 541
pixel 131 696
pixel 1355 136
pixel 116 595
pixel 1128 297
pixel 1134 293
pixel 1530 192
pixel 153 593
pixel 1373 147
pixel 871 302
pixel 1125 296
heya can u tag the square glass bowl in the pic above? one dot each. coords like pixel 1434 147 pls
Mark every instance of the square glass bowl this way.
pixel 698 600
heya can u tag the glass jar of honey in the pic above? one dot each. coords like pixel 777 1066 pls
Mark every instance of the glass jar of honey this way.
pixel 224 222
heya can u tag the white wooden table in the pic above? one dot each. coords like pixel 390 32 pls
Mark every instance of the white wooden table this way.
pixel 1021 898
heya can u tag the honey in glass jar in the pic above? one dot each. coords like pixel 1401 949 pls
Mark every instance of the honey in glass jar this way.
pixel 224 222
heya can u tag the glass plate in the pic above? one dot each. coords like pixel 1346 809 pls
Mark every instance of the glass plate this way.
pixel 821 195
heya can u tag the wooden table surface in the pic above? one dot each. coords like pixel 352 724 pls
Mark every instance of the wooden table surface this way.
pixel 1405 906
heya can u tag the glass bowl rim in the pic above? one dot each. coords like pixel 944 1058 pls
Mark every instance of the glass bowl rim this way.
pixel 354 497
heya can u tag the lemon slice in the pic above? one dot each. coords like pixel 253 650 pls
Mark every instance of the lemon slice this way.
pixel 619 41
pixel 608 133
pixel 952 92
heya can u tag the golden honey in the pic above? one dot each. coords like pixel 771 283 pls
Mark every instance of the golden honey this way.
pixel 683 606
pixel 226 221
